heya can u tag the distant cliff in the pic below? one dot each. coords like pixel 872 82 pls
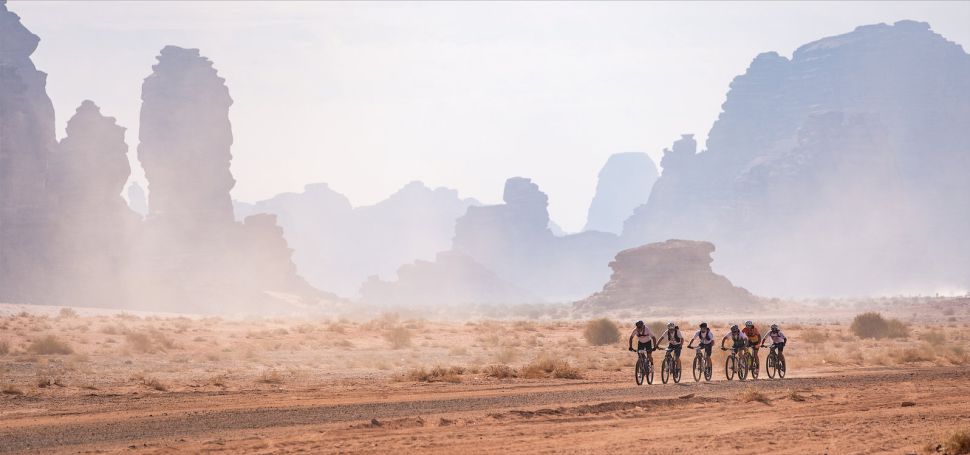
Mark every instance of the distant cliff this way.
pixel 842 170
pixel 623 184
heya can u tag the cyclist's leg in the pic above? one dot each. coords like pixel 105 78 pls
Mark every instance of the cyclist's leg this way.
pixel 780 347
pixel 677 352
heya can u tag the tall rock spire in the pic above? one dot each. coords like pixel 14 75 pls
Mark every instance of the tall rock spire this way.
pixel 185 139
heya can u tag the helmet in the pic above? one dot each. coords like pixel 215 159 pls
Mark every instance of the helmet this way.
pixel 703 325
pixel 639 323
pixel 774 327
pixel 671 325
pixel 734 328
pixel 748 324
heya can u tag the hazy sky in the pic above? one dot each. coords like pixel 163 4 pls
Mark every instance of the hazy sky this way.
pixel 369 96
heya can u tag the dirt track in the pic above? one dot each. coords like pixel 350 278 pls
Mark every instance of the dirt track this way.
pixel 856 412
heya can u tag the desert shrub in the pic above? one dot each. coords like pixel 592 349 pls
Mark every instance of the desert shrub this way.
pixel 793 395
pixel 139 342
pixel 912 355
pixel 658 327
pixel 752 394
pixel 4 347
pixel 436 374
pixel 547 366
pixel 813 336
pixel 398 337
pixel 154 383
pixel 67 313
pixel 11 389
pixel 958 442
pixel 506 355
pixel 500 371
pixel 933 337
pixel 873 325
pixel 601 332
pixel 49 344
pixel 270 377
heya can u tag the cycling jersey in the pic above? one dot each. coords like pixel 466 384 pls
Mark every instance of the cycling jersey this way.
pixel 705 339
pixel 740 341
pixel 752 333
pixel 676 338
pixel 643 336
pixel 777 337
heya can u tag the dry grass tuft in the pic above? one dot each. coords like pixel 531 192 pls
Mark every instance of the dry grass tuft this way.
pixel 11 389
pixel 751 394
pixel 601 332
pixel 270 377
pixel 500 371
pixel 506 355
pixel 547 366
pixel 933 337
pixel 48 345
pixel 398 337
pixel 793 395
pixel 4 347
pixel 67 313
pixel 436 374
pixel 958 442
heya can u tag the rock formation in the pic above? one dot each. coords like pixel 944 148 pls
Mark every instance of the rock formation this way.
pixel 137 201
pixel 451 280
pixel 26 142
pixel 839 171
pixel 337 247
pixel 623 184
pixel 185 139
pixel 94 227
pixel 513 240
pixel 194 256
pixel 675 274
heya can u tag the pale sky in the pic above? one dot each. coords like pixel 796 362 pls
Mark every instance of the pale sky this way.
pixel 370 96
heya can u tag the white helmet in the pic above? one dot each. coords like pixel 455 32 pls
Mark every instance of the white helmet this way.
pixel 748 324
pixel 671 325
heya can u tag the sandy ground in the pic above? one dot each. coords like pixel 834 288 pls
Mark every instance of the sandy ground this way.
pixel 159 384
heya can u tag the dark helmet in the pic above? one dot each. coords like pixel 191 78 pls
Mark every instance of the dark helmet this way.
pixel 703 325
pixel 774 327
pixel 734 328
pixel 639 323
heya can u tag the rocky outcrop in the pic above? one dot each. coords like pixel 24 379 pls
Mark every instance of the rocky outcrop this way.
pixel 325 230
pixel 137 200
pixel 623 184
pixel 513 240
pixel 26 142
pixel 92 239
pixel 839 171
pixel 193 255
pixel 675 274
pixel 452 279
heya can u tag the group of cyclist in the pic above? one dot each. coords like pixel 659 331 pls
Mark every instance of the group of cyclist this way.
pixel 741 339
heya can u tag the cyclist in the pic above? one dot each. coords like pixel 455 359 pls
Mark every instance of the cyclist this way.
pixel 645 339
pixel 738 339
pixel 674 337
pixel 778 340
pixel 705 337
pixel 754 337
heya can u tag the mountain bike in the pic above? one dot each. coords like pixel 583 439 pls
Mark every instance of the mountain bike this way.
pixel 644 367
pixel 754 364
pixel 670 367
pixel 732 366
pixel 702 364
pixel 774 364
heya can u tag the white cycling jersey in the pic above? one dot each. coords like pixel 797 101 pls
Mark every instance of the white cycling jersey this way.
pixel 705 339
pixel 777 337
pixel 644 336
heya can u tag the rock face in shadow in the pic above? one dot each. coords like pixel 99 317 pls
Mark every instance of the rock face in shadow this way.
pixel 193 255
pixel 623 184
pixel 337 246
pixel 451 279
pixel 675 274
pixel 94 226
pixel 839 171
pixel 26 143
pixel 513 240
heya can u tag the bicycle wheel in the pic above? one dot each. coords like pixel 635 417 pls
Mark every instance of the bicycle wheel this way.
pixel 743 367
pixel 781 368
pixel 677 369
pixel 729 367
pixel 649 367
pixel 698 368
pixel 638 371
pixel 708 368
pixel 755 367
pixel 770 365
pixel 665 370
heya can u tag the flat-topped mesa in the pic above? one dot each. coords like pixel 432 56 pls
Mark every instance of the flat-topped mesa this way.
pixel 185 139
pixel 26 142
pixel 623 184
pixel 670 275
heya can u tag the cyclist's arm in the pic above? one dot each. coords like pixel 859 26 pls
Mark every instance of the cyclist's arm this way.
pixel 631 342
pixel 723 340
pixel 690 343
